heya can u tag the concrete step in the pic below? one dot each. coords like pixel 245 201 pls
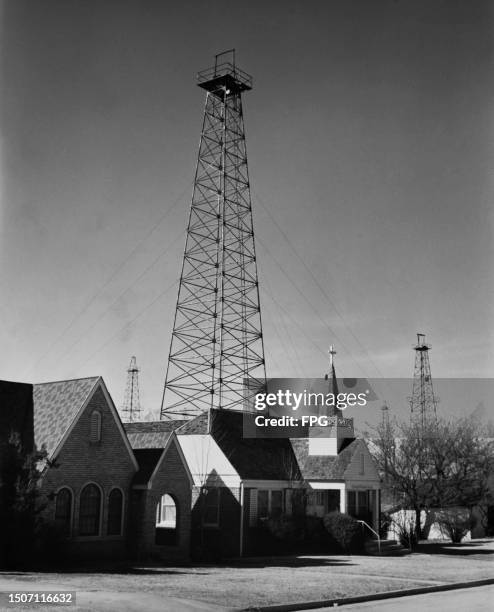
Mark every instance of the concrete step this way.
pixel 389 548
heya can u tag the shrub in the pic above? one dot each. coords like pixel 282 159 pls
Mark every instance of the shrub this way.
pixel 345 531
pixel 283 528
pixel 456 522
pixel 50 545
pixel 403 524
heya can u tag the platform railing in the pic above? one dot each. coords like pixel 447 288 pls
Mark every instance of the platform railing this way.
pixel 223 69
pixel 374 532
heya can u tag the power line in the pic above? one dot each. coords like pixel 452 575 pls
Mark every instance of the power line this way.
pixel 304 297
pixel 103 314
pixel 139 314
pixel 315 280
pixel 296 324
pixel 108 281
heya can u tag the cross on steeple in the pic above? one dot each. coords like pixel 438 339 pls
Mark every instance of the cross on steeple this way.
pixel 331 352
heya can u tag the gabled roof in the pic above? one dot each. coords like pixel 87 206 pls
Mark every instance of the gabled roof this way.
pixel 252 458
pixel 55 406
pixel 148 459
pixel 323 467
pixel 206 462
pixel 153 434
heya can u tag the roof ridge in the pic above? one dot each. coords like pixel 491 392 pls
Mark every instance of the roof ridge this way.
pixel 52 382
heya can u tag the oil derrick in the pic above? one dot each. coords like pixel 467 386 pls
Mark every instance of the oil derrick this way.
pixel 423 402
pixel 217 339
pixel 131 409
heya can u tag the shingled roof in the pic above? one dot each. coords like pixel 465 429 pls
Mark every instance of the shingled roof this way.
pixel 148 459
pixel 55 406
pixel 322 467
pixel 153 434
pixel 252 458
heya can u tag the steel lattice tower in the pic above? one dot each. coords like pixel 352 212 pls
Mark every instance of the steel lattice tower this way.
pixel 423 401
pixel 131 409
pixel 217 339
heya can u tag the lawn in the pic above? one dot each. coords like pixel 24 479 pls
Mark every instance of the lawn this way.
pixel 256 583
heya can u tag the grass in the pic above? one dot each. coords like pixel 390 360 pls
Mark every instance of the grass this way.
pixel 282 580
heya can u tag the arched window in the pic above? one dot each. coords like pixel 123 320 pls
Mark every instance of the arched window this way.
pixel 89 510
pixel 95 433
pixel 166 520
pixel 63 510
pixel 115 503
pixel 166 512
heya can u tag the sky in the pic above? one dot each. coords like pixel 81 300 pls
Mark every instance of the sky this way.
pixel 370 146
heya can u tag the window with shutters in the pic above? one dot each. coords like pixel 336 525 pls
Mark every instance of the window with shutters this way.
pixel 270 503
pixel 89 510
pixel 63 511
pixel 95 433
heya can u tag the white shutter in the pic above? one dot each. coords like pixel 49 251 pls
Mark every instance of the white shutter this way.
pixel 253 508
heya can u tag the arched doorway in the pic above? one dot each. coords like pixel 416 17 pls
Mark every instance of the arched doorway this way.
pixel 166 521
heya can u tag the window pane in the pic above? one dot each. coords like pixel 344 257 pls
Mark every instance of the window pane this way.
pixel 333 498
pixel 276 503
pixel 169 512
pixel 166 512
pixel 89 510
pixel 63 511
pixel 352 503
pixel 262 503
pixel 362 501
pixel 115 512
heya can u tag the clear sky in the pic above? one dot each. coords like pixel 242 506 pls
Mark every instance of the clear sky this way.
pixel 370 141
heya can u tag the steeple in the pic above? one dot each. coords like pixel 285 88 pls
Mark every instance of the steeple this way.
pixel 333 387
pixel 328 441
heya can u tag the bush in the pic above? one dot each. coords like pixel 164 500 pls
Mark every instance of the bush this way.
pixel 456 523
pixel 283 528
pixel 345 531
pixel 384 525
pixel 50 545
pixel 404 526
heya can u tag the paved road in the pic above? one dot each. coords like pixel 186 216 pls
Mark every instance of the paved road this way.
pixel 103 601
pixel 478 599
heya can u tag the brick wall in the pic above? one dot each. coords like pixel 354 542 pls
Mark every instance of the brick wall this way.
pixel 171 478
pixel 222 541
pixel 106 463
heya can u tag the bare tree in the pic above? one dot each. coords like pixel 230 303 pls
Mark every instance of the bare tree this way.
pixel 439 464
